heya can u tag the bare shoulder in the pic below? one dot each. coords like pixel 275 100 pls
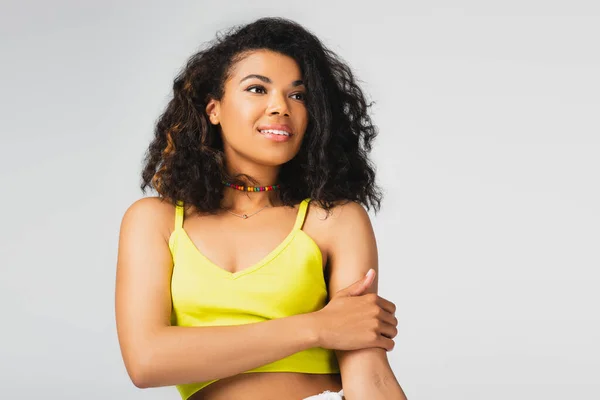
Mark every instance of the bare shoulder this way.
pixel 346 222
pixel 344 215
pixel 150 213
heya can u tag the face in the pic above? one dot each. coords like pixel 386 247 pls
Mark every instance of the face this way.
pixel 262 114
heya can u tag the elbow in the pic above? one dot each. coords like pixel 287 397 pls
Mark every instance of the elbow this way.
pixel 139 378
pixel 139 382
pixel 140 371
pixel 144 363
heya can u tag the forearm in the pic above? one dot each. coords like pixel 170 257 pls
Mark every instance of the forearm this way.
pixel 179 355
pixel 366 374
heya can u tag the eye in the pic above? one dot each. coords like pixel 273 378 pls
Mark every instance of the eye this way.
pixel 302 96
pixel 258 87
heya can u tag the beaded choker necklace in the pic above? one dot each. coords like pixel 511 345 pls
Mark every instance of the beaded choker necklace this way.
pixel 252 188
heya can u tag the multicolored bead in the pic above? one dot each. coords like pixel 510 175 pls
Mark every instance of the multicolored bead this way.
pixel 252 188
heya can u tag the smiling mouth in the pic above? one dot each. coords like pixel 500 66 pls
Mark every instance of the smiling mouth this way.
pixel 276 132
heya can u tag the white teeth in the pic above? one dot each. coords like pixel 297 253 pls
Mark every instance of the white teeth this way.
pixel 276 132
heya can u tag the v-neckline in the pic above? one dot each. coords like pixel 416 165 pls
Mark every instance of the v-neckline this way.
pixel 297 227
pixel 247 270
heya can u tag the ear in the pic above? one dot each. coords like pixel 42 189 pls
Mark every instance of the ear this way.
pixel 212 110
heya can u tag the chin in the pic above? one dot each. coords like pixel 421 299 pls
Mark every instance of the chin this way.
pixel 273 159
pixel 276 161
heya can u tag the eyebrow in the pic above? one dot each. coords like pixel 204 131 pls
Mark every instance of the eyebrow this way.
pixel 267 80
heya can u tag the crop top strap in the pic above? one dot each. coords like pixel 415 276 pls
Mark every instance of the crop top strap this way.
pixel 301 214
pixel 179 214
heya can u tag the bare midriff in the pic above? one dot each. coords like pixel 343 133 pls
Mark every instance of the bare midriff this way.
pixel 270 385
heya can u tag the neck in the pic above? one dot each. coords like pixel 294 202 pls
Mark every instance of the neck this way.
pixel 236 200
pixel 244 201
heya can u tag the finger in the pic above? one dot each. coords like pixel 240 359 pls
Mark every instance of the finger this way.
pixel 385 343
pixel 388 318
pixel 388 330
pixel 358 287
pixel 386 305
pixel 364 282
pixel 353 290
pixel 370 277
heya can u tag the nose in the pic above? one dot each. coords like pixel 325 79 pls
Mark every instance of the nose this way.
pixel 278 105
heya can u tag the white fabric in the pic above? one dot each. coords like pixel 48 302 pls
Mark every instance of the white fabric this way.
pixel 327 395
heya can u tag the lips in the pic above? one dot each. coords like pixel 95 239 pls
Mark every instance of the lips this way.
pixel 279 127
pixel 270 135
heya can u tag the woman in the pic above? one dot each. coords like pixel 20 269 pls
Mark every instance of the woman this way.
pixel 247 276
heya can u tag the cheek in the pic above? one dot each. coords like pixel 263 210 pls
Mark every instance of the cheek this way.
pixel 301 118
pixel 239 118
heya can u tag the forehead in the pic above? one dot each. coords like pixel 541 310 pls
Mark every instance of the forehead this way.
pixel 276 66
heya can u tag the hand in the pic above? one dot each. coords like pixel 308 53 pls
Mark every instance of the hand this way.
pixel 353 320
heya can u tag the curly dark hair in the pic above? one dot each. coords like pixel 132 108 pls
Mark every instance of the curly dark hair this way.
pixel 185 160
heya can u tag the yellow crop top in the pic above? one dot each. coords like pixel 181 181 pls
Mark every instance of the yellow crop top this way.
pixel 288 281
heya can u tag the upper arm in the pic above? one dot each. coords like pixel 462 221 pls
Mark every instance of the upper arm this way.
pixel 352 249
pixel 352 252
pixel 144 266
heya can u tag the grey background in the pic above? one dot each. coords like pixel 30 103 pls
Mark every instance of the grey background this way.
pixel 488 152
